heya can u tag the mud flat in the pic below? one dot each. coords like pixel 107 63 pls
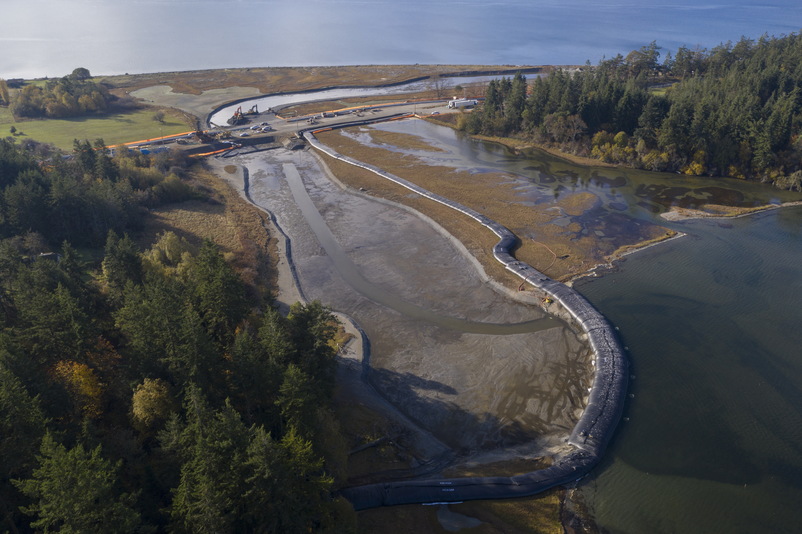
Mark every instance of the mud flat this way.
pixel 465 394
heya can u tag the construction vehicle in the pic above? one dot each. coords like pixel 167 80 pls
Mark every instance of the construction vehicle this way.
pixel 240 117
pixel 237 118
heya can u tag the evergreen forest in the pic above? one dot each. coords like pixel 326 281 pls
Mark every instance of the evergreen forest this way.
pixel 734 110
pixel 147 390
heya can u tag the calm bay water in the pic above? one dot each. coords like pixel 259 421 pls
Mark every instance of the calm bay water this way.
pixel 51 38
pixel 714 437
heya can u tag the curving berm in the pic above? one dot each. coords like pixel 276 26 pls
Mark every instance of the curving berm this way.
pixel 594 428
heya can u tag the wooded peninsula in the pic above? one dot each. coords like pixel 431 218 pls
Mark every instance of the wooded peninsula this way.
pixel 735 110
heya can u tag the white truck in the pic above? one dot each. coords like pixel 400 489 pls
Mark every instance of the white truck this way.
pixel 462 103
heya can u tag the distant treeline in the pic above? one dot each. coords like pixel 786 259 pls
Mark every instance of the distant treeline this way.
pixel 735 110
pixel 148 391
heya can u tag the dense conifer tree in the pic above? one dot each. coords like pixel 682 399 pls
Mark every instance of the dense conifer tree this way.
pixel 73 490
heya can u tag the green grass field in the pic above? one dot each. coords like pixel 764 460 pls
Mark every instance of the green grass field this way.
pixel 113 129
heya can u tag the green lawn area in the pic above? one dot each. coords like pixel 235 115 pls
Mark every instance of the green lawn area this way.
pixel 661 90
pixel 113 129
pixel 5 115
